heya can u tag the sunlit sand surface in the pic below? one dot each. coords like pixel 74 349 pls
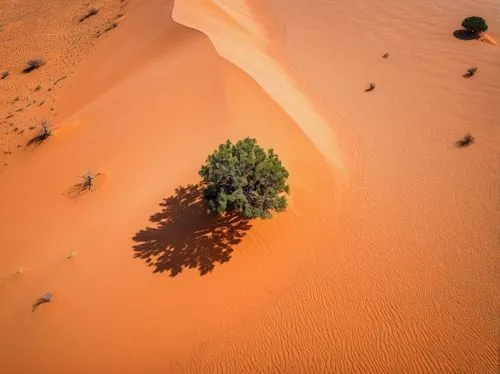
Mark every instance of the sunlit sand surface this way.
pixel 385 260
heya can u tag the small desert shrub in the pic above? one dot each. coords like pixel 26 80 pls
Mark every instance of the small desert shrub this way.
pixel 475 24
pixel 111 27
pixel 33 64
pixel 91 12
pixel 466 140
pixel 44 133
pixel 4 75
pixel 243 178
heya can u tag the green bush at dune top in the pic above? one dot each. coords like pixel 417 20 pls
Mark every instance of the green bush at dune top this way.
pixel 475 24
pixel 245 179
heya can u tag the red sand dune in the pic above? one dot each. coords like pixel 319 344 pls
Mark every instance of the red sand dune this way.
pixel 385 261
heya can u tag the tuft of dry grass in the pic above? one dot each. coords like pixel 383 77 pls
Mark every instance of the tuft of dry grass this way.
pixel 44 133
pixel 33 64
pixel 111 27
pixel 90 12
pixel 371 87
pixel 470 72
pixel 466 141
pixel 4 75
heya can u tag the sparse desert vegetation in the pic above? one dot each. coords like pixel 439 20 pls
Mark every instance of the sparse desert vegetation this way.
pixel 371 87
pixel 43 134
pixel 46 298
pixel 465 141
pixel 33 64
pixel 90 12
pixel 86 184
pixel 470 72
pixel 112 26
pixel 4 75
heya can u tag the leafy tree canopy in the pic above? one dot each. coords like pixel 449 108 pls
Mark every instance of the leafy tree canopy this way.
pixel 246 179
pixel 475 24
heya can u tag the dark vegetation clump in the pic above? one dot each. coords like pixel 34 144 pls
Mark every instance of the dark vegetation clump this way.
pixel 37 88
pixel 111 27
pixel 475 25
pixel 91 12
pixel 467 140
pixel 47 298
pixel 44 133
pixel 33 64
pixel 385 55
pixel 4 75
pixel 88 181
pixel 470 72
pixel 86 184
pixel 245 179
pixel 371 87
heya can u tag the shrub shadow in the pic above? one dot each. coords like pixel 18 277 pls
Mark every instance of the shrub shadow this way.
pixel 77 190
pixel 185 236
pixel 463 34
pixel 86 185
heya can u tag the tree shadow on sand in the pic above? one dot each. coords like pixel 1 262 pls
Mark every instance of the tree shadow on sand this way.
pixel 463 34
pixel 186 236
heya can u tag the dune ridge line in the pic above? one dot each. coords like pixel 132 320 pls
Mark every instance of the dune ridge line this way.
pixel 238 38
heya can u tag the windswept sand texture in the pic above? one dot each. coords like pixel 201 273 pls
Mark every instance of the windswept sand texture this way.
pixel 387 258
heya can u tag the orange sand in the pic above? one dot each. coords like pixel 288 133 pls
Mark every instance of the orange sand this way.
pixel 385 261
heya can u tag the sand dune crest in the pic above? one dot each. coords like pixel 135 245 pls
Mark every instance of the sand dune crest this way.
pixel 246 50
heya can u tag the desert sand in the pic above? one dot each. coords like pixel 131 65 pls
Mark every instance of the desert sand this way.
pixel 386 260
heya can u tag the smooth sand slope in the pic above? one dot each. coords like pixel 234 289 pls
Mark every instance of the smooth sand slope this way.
pixel 385 261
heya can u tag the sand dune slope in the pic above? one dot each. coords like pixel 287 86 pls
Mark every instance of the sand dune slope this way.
pixel 409 285
pixel 147 132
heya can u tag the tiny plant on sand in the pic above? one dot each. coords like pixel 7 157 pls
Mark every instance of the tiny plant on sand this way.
pixel 475 25
pixel 33 64
pixel 470 72
pixel 371 87
pixel 4 75
pixel 72 254
pixel 88 181
pixel 91 12
pixel 467 140
pixel 112 26
pixel 86 184
pixel 47 298
pixel 43 134
pixel 244 178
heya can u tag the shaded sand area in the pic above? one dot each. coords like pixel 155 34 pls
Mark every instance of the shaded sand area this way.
pixel 385 261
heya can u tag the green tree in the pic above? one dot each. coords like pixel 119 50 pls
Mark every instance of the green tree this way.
pixel 245 179
pixel 475 24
